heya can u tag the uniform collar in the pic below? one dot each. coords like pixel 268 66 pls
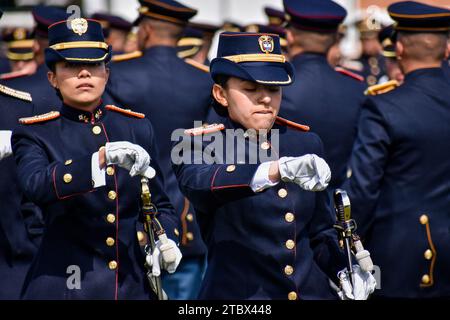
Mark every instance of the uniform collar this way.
pixel 83 116
pixel 308 56
pixel 161 50
pixel 424 73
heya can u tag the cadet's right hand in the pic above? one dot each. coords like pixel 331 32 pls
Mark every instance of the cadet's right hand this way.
pixel 5 144
pixel 128 156
pixel 310 171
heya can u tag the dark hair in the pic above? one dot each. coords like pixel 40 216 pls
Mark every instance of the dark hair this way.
pixel 222 80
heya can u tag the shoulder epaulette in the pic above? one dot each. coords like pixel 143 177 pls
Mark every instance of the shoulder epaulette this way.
pixel 14 74
pixel 196 64
pixel 381 88
pixel 206 128
pixel 15 93
pixel 346 72
pixel 127 112
pixel 40 118
pixel 126 56
pixel 291 124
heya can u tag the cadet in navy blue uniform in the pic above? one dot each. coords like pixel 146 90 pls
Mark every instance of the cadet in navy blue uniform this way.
pixel 20 222
pixel 399 187
pixel 81 165
pixel 325 99
pixel 44 97
pixel 173 94
pixel 268 235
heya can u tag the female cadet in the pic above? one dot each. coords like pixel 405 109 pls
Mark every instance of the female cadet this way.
pixel 268 235
pixel 67 165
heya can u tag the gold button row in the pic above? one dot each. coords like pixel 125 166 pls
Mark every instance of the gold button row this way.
pixel 112 195
pixel 110 171
pixel 110 241
pixel 96 130
pixel 282 193
pixel 290 244
pixel 112 265
pixel 111 218
pixel 288 270
pixel 67 178
pixel 292 295
pixel 231 168
pixel 289 217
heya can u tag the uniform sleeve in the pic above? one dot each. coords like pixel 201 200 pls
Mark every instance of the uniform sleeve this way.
pixel 45 182
pixel 166 212
pixel 369 157
pixel 208 186
pixel 323 237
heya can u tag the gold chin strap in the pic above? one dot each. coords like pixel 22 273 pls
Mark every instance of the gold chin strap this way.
pixel 257 57
pixel 79 44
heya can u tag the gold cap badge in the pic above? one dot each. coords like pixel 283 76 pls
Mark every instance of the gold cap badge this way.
pixel 266 44
pixel 79 25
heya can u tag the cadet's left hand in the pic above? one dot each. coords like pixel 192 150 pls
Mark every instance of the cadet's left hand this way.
pixel 129 156
pixel 166 254
pixel 310 171
pixel 5 144
pixel 364 284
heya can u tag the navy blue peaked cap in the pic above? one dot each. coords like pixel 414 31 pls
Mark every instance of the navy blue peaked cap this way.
pixel 112 21
pixel 44 16
pixel 314 15
pixel 412 16
pixel 166 10
pixel 275 17
pixel 252 56
pixel 77 40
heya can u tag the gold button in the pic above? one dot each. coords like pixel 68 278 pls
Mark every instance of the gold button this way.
pixel 176 232
pixel 292 295
pixel 68 162
pixel 111 218
pixel 112 265
pixel 189 236
pixel 282 193
pixel 265 145
pixel 231 168
pixel 288 270
pixel 112 195
pixel 425 279
pixel 96 130
pixel 289 217
pixel 424 219
pixel 189 217
pixel 140 236
pixel 110 242
pixel 428 254
pixel 110 171
pixel 290 244
pixel 67 178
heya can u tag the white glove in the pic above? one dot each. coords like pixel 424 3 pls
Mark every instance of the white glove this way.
pixel 310 171
pixel 129 156
pixel 364 284
pixel 5 144
pixel 166 254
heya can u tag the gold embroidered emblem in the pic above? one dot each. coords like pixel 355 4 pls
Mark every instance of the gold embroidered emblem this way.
pixel 79 25
pixel 266 44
